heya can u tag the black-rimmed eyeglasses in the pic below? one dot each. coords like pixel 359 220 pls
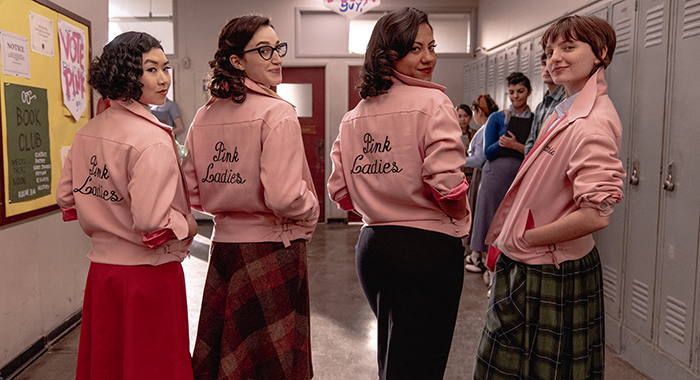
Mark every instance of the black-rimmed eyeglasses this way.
pixel 267 51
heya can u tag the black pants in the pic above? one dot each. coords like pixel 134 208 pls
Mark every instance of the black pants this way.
pixel 412 279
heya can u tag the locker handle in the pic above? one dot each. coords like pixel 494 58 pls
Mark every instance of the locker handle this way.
pixel 634 177
pixel 668 184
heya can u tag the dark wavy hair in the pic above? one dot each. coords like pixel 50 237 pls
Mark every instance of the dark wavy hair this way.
pixel 594 31
pixel 392 38
pixel 465 108
pixel 486 104
pixel 226 81
pixel 116 72
pixel 517 78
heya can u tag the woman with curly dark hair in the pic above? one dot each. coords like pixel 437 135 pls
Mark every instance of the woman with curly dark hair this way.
pixel 122 181
pixel 396 161
pixel 247 168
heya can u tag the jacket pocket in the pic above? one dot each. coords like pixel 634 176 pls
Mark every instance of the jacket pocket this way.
pixel 515 242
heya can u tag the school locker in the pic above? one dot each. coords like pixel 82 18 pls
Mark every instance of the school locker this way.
pixel 610 242
pixel 644 170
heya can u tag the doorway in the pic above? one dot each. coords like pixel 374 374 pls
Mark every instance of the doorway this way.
pixel 310 97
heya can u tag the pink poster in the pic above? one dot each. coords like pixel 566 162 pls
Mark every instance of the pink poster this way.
pixel 73 68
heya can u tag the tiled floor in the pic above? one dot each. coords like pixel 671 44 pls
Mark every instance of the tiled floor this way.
pixel 342 324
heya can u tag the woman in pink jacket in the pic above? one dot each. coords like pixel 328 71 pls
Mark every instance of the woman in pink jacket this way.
pixel 122 181
pixel 396 161
pixel 247 168
pixel 545 317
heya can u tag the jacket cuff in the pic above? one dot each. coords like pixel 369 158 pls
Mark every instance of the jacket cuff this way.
pixel 158 238
pixel 69 214
pixel 345 203
pixel 459 192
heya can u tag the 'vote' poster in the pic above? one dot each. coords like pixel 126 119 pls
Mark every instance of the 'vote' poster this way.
pixel 73 77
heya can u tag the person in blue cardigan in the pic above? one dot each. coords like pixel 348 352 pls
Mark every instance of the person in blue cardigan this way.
pixel 504 154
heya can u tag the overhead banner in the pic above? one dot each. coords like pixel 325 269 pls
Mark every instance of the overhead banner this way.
pixel 350 8
pixel 28 145
pixel 73 77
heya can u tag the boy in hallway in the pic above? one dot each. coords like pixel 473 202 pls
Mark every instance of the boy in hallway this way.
pixel 553 96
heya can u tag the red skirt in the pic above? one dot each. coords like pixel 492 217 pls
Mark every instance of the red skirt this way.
pixel 134 324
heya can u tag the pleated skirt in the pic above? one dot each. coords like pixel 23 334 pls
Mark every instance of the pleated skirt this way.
pixel 254 322
pixel 543 322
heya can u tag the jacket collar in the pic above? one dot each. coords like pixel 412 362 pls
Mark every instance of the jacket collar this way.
pixel 398 77
pixel 258 89
pixel 595 87
pixel 139 110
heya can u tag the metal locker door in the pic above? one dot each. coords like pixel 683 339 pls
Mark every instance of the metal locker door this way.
pixel 467 85
pixel 525 60
pixel 511 58
pixel 491 77
pixel 474 80
pixel 501 88
pixel 481 76
pixel 538 88
pixel 525 66
pixel 681 182
pixel 644 179
pixel 610 242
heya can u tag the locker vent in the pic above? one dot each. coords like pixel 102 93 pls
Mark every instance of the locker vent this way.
pixel 653 34
pixel 536 66
pixel 474 72
pixel 623 29
pixel 467 80
pixel 675 319
pixel 640 299
pixel 512 57
pixel 610 283
pixel 501 70
pixel 691 18
pixel 491 81
pixel 525 59
pixel 481 74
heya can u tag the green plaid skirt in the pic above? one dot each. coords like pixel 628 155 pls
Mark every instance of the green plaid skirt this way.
pixel 543 322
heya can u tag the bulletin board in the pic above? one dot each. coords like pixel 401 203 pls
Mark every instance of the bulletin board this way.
pixel 44 98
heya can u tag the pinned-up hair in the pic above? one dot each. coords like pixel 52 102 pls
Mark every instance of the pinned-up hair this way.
pixel 116 73
pixel 392 39
pixel 519 78
pixel 486 104
pixel 226 81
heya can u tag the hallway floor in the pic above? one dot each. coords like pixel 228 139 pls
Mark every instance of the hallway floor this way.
pixel 342 324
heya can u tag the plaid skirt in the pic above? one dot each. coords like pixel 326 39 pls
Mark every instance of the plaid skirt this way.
pixel 544 322
pixel 254 322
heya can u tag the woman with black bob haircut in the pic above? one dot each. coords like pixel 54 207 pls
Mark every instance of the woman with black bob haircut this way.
pixel 397 161
pixel 248 169
pixel 122 181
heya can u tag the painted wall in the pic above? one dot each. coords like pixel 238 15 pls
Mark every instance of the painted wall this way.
pixel 501 20
pixel 198 26
pixel 42 260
